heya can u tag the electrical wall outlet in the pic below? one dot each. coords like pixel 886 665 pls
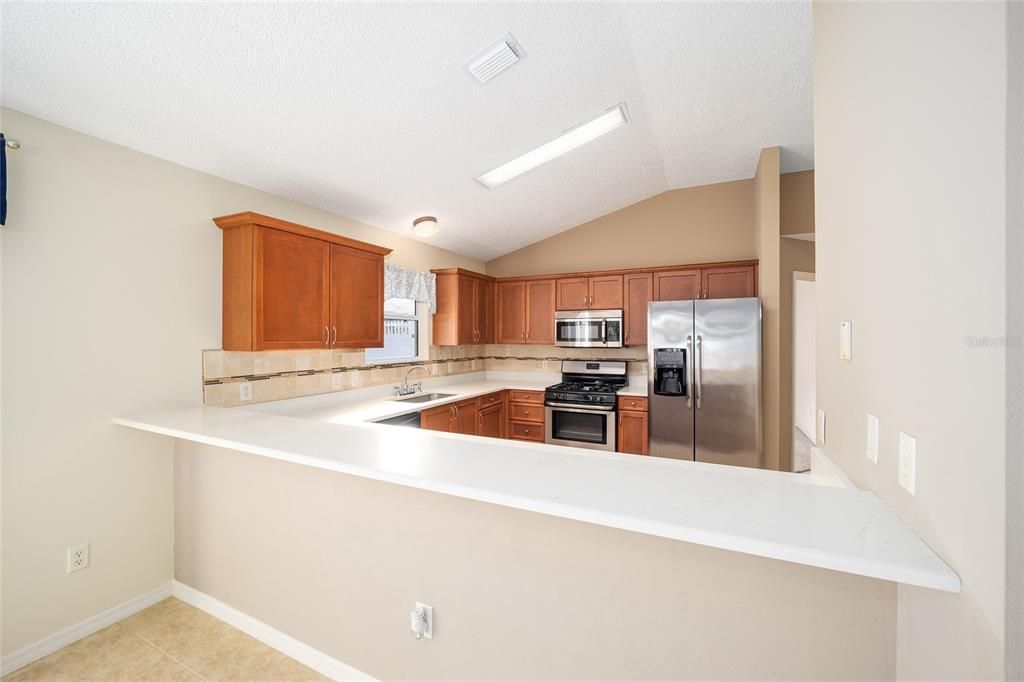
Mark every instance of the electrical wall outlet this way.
pixel 846 340
pixel 908 463
pixel 422 621
pixel 872 448
pixel 245 391
pixel 78 557
pixel 821 428
pixel 336 380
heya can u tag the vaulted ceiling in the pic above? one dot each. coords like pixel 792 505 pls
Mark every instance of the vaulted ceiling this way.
pixel 367 109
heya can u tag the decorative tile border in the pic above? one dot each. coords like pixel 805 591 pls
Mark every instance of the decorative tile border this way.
pixel 277 375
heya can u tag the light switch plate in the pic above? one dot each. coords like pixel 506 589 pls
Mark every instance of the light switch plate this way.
pixel 908 463
pixel 872 447
pixel 821 428
pixel 846 340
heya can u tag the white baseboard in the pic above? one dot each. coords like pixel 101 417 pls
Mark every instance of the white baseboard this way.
pixel 73 633
pixel 272 637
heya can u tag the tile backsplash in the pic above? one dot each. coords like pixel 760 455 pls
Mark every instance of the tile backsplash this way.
pixel 275 375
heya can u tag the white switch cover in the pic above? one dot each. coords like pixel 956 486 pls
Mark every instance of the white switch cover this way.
pixel 908 463
pixel 872 449
pixel 245 391
pixel 821 428
pixel 845 340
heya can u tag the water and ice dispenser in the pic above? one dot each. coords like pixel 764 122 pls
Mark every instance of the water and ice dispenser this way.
pixel 670 371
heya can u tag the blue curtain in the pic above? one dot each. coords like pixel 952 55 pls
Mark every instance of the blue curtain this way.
pixel 3 180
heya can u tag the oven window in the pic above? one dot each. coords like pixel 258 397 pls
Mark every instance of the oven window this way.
pixel 583 427
pixel 578 330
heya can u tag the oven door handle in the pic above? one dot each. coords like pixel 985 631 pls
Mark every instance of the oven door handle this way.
pixel 570 407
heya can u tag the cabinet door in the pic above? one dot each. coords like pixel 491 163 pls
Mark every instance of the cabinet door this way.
pixel 633 433
pixel 467 309
pixel 677 285
pixel 357 298
pixel 490 420
pixel 511 312
pixel 606 292
pixel 293 291
pixel 465 417
pixel 487 310
pixel 540 311
pixel 639 292
pixel 572 293
pixel 730 282
pixel 438 418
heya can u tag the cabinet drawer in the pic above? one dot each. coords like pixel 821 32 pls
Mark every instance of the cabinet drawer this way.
pixel 527 413
pixel 490 399
pixel 630 403
pixel 526 431
pixel 536 397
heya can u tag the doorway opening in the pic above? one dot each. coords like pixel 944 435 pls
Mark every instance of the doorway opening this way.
pixel 804 399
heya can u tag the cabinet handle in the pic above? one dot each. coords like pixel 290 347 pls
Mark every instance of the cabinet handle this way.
pixel 526 413
pixel 334 340
pixel 627 336
pixel 327 336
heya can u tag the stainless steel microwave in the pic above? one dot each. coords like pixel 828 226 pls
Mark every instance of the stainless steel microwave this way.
pixel 588 328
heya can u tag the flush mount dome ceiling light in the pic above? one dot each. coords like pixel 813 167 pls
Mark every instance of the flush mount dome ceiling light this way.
pixel 571 139
pixel 425 226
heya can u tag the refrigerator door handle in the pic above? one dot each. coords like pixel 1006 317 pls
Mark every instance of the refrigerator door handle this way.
pixel 689 371
pixel 700 373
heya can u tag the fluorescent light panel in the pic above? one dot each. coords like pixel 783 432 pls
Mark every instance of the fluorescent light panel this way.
pixel 577 137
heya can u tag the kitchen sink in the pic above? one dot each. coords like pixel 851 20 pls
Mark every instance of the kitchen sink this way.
pixel 424 397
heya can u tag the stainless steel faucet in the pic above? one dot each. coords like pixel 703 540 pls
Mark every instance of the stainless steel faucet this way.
pixel 406 388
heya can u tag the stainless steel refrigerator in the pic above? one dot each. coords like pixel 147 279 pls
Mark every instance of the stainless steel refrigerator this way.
pixel 704 380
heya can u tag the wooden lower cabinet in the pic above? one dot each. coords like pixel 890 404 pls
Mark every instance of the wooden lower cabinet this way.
pixel 633 425
pixel 491 421
pixel 465 417
pixel 526 415
pixel 438 418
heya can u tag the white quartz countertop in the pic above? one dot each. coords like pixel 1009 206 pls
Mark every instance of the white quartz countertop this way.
pixel 764 513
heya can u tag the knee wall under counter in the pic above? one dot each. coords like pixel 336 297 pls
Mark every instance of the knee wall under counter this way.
pixel 337 562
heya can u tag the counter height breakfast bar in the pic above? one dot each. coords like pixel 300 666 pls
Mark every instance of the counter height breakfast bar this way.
pixel 798 518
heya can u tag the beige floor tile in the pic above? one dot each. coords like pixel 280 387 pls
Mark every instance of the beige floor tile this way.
pixel 110 654
pixel 211 647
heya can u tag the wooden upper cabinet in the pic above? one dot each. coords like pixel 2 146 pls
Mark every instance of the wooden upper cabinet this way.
pixel 602 292
pixel 357 298
pixel 606 292
pixel 677 285
pixel 639 291
pixel 511 312
pixel 292 302
pixel 540 311
pixel 288 286
pixel 572 293
pixel 465 308
pixel 729 282
pixel 486 311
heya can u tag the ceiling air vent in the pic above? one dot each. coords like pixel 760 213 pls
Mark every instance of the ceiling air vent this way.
pixel 494 60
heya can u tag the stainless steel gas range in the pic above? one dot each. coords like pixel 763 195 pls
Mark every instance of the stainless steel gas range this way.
pixel 581 410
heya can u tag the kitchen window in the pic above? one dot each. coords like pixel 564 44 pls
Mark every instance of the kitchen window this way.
pixel 404 330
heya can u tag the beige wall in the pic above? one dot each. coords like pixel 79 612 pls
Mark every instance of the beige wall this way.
pixel 796 208
pixel 516 595
pixel 691 225
pixel 111 287
pixel 794 256
pixel 910 138
pixel 766 201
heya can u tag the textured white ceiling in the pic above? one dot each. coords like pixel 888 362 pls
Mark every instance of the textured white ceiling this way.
pixel 366 109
